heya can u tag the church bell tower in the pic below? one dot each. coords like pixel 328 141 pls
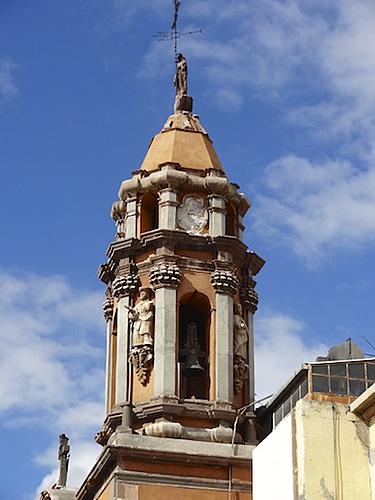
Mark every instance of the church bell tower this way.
pixel 179 308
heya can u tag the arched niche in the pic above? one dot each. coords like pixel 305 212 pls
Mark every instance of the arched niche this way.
pixel 149 212
pixel 193 346
pixel 230 220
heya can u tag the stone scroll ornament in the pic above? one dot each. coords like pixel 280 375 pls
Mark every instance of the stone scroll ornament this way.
pixel 142 318
pixel 240 356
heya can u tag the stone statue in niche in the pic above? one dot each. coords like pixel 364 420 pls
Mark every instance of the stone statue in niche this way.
pixel 142 318
pixel 192 214
pixel 240 344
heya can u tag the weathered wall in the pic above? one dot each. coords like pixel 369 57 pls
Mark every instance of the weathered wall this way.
pixel 273 464
pixel 332 452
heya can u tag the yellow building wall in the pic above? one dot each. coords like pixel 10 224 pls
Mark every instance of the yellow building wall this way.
pixel 331 451
pixel 159 492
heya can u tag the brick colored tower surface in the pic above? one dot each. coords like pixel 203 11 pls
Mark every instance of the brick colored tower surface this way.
pixel 179 308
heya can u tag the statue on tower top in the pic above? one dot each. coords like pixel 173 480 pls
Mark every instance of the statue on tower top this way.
pixel 183 102
pixel 180 80
pixel 63 456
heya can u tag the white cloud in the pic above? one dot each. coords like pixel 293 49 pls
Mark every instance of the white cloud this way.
pixel 52 339
pixel 317 208
pixel 280 349
pixel 8 86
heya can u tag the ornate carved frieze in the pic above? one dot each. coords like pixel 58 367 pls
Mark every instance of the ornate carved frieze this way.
pixel 108 308
pixel 126 284
pixel 141 357
pixel 249 298
pixel 165 275
pixel 224 281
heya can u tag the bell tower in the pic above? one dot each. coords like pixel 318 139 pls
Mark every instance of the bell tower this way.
pixel 179 308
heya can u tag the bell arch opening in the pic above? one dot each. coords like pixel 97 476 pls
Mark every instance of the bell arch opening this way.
pixel 149 212
pixel 230 220
pixel 193 346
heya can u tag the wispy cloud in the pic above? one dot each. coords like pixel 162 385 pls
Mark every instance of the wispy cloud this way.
pixel 8 86
pixel 51 364
pixel 315 208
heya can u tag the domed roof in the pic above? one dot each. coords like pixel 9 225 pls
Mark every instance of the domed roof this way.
pixel 182 140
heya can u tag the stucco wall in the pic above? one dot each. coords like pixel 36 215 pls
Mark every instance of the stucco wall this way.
pixel 273 464
pixel 332 449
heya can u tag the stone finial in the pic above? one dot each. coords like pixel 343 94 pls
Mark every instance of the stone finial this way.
pixel 165 275
pixel 249 298
pixel 125 285
pixel 63 456
pixel 224 281
pixel 108 308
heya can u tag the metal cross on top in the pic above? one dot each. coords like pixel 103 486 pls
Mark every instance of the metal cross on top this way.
pixel 174 34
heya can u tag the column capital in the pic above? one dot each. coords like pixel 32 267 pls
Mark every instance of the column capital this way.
pixel 165 275
pixel 108 308
pixel 249 298
pixel 126 284
pixel 224 281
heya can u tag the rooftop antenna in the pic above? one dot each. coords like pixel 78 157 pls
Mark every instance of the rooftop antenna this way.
pixel 174 34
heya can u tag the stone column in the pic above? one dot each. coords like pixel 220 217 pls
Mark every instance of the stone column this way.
pixel 225 284
pixel 216 212
pixel 124 286
pixel 131 218
pixel 168 209
pixel 108 314
pixel 250 304
pixel 165 279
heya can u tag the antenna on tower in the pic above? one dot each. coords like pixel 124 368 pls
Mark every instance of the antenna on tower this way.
pixel 174 34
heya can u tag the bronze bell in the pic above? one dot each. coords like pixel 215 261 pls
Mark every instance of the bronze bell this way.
pixel 191 363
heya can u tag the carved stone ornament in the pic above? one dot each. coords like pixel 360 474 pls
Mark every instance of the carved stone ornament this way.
pixel 224 281
pixel 192 215
pixel 125 285
pixel 118 214
pixel 240 373
pixel 103 435
pixel 108 308
pixel 249 298
pixel 165 275
pixel 141 357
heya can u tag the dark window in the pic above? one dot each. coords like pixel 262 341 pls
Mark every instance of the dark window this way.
pixel 295 396
pixel 304 388
pixel 356 387
pixel 320 383
pixel 278 415
pixel 357 370
pixel 320 369
pixel 339 386
pixel 339 370
pixel 371 371
pixel 287 406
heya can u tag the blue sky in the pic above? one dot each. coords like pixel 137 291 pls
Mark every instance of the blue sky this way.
pixel 285 89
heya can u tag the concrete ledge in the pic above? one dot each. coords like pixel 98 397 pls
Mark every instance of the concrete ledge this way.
pixel 180 449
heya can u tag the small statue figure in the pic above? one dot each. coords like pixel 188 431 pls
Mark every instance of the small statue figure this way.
pixel 240 333
pixel 63 456
pixel 180 80
pixel 141 354
pixel 142 317
pixel 240 356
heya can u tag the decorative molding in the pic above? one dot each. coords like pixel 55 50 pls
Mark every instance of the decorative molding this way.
pixel 224 281
pixel 165 275
pixel 108 308
pixel 249 298
pixel 141 357
pixel 125 285
pixel 240 373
